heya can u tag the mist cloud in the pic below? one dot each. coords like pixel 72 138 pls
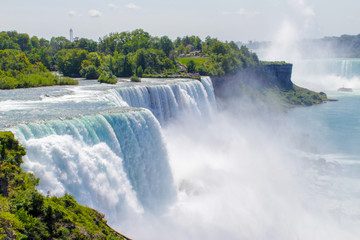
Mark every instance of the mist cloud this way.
pixel 240 176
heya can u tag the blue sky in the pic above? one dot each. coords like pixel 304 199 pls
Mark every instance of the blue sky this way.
pixel 236 20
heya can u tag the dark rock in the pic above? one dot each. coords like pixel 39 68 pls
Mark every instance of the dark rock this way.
pixel 258 78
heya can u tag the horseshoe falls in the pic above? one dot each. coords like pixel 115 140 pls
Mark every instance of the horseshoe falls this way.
pixel 330 74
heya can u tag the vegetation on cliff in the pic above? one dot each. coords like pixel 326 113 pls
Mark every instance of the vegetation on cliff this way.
pixel 302 97
pixel 27 214
pixel 270 83
pixel 119 54
pixel 217 58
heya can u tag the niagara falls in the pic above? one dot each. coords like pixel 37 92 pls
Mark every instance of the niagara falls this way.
pixel 211 120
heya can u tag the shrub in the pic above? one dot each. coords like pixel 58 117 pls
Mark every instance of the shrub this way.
pixel 135 78
pixel 107 77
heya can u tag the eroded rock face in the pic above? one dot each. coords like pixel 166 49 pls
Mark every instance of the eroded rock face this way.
pixel 263 77
pixel 280 74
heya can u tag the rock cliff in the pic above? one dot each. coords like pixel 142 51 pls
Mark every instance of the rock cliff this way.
pixel 262 77
pixel 270 83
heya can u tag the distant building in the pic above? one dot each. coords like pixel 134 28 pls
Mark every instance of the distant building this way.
pixel 71 35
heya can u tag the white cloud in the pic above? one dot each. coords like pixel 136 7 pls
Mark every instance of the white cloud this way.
pixel 71 13
pixel 132 6
pixel 113 6
pixel 94 13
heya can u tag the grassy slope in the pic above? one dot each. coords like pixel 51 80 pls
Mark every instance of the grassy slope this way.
pixel 302 97
pixel 26 214
pixel 197 60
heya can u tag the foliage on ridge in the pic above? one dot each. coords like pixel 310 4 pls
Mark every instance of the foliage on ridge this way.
pixel 120 54
pixel 27 214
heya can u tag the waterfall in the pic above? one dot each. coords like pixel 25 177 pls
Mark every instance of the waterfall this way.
pixel 206 81
pixel 168 101
pixel 346 68
pixel 111 157
pixel 114 162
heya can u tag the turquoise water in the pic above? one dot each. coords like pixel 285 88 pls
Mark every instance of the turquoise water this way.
pixel 243 174
pixel 333 127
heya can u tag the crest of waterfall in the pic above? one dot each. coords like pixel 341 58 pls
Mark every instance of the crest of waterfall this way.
pixel 168 101
pixel 114 162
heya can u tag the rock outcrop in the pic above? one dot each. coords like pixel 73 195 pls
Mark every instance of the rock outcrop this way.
pixel 260 78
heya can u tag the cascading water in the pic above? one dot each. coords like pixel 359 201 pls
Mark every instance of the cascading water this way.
pixel 168 101
pixel 206 81
pixel 237 175
pixel 347 68
pixel 113 162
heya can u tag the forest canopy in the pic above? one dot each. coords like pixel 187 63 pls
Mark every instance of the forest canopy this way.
pixel 117 54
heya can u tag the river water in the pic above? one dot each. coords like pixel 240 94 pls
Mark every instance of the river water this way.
pixel 162 162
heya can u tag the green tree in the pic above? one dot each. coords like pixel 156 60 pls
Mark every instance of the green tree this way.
pixel 127 67
pixel 35 43
pixel 218 47
pixel 191 66
pixel 57 44
pixel 24 42
pixel 86 44
pixel 139 71
pixel 11 59
pixel 166 45
pixel 6 42
pixel 69 61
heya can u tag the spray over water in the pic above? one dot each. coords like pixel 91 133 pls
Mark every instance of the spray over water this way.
pixel 247 172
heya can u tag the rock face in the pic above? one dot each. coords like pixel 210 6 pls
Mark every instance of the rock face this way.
pixel 271 76
pixel 280 74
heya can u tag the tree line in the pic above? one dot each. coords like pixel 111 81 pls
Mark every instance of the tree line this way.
pixel 123 54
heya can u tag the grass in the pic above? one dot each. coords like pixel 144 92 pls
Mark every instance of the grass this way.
pixel 34 80
pixel 273 63
pixel 197 60
pixel 302 97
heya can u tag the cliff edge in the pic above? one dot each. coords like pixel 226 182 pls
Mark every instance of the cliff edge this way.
pixel 271 82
